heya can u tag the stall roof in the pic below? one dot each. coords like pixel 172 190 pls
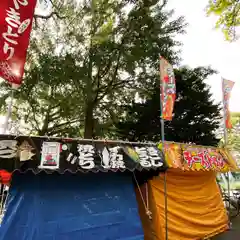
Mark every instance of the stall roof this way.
pixel 196 158
pixel 24 153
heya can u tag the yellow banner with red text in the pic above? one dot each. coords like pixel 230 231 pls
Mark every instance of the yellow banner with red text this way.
pixel 194 157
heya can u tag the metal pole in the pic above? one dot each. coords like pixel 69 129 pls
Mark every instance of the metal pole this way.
pixel 225 144
pixel 88 140
pixel 104 140
pixel 165 184
pixel 2 198
pixel 163 150
pixel 9 113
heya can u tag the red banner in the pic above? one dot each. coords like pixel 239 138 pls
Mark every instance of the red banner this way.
pixel 15 27
pixel 168 89
pixel 227 86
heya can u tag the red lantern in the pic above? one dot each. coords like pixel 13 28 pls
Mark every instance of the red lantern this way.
pixel 5 177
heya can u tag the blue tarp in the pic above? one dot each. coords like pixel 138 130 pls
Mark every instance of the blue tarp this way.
pixel 98 206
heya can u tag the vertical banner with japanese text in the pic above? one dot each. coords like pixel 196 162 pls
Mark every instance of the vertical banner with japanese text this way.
pixel 168 89
pixel 15 27
pixel 227 86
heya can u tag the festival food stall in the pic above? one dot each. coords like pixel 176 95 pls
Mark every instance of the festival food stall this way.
pixel 74 189
pixel 195 208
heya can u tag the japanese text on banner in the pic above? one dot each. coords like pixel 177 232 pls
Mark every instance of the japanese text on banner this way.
pixel 15 27
pixel 168 89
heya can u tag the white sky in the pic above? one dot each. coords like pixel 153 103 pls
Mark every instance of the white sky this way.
pixel 203 45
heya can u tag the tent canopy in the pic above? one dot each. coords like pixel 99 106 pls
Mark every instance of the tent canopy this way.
pixel 71 206
pixel 195 206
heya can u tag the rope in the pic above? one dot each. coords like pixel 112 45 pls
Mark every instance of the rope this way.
pixel 146 205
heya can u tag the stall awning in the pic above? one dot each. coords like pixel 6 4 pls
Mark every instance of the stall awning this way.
pixel 25 153
pixel 194 157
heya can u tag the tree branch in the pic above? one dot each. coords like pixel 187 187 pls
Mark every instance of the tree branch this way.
pixel 34 117
pixel 117 85
pixel 163 4
pixel 114 75
pixel 57 126
pixel 49 16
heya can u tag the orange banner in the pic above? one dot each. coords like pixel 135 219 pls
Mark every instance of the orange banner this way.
pixel 168 89
pixel 227 86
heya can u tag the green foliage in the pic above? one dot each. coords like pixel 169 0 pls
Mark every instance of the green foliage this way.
pixel 228 13
pixel 235 118
pixel 195 120
pixel 45 101
pixel 234 135
pixel 87 59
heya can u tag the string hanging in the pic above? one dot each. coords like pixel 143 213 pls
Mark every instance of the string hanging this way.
pixel 146 204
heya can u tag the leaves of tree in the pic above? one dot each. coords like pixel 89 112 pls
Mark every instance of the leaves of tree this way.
pixel 196 117
pixel 228 13
pixel 84 66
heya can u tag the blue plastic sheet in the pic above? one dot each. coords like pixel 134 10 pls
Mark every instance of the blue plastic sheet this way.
pixel 98 206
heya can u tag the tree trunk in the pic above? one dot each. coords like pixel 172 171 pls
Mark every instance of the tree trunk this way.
pixel 44 129
pixel 88 122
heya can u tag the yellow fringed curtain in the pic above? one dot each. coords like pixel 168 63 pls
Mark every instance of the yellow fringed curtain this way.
pixel 195 206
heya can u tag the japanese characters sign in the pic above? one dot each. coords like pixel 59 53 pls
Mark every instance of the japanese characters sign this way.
pixel 168 89
pixel 192 157
pixel 37 153
pixel 203 158
pixel 15 28
pixel 116 157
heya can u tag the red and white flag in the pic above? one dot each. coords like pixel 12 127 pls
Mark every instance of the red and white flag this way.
pixel 227 87
pixel 15 27
pixel 168 89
